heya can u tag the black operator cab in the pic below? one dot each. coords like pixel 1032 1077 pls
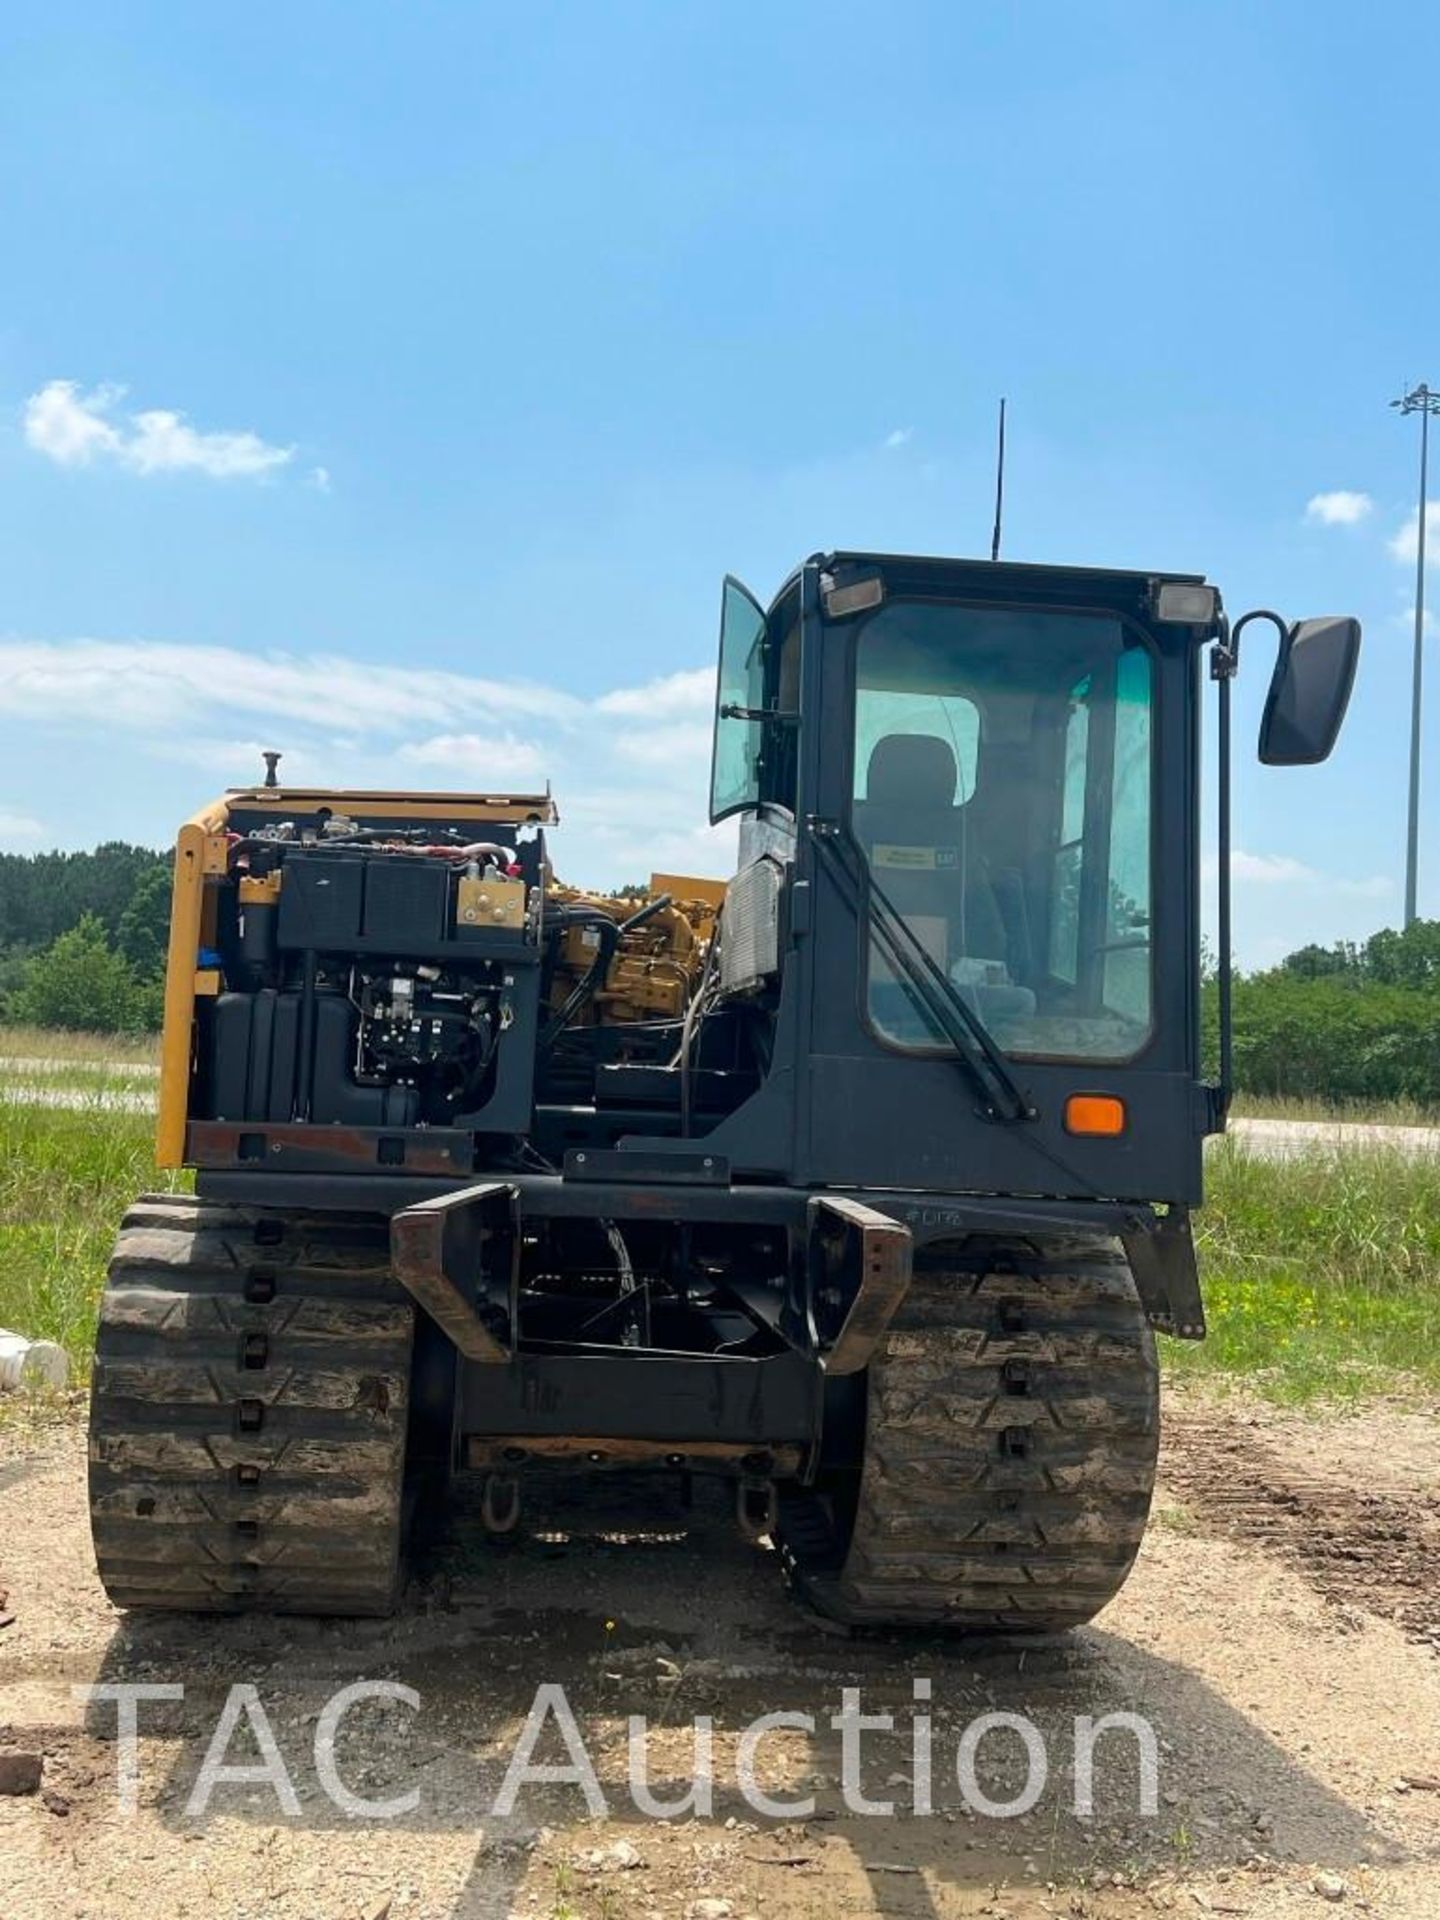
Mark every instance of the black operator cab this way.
pixel 969 850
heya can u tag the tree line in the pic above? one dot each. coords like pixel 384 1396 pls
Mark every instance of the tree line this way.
pixel 1343 1024
pixel 83 938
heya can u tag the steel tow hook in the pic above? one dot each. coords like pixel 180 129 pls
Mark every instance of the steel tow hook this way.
pixel 500 1503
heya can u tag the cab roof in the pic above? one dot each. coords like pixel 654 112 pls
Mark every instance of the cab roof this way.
pixel 1127 588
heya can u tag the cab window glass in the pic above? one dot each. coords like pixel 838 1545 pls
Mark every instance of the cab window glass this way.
pixel 1065 881
pixel 739 738
pixel 1003 798
pixel 880 711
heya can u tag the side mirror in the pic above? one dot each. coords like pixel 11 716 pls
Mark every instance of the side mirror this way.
pixel 1309 691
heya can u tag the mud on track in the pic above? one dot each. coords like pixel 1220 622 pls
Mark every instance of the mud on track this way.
pixel 1293 1706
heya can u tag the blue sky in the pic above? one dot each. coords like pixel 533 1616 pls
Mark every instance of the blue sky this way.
pixel 428 365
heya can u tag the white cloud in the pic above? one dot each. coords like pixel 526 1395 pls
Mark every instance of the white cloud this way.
pixel 1404 621
pixel 1270 869
pixel 900 437
pixel 679 744
pixel 490 760
pixel 630 766
pixel 163 442
pixel 19 827
pixel 677 694
pixel 74 429
pixel 1282 870
pixel 1282 903
pixel 229 762
pixel 153 686
pixel 1405 545
pixel 69 427
pixel 1339 509
pixel 631 831
pixel 319 479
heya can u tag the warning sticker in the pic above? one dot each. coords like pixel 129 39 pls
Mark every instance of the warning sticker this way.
pixel 917 859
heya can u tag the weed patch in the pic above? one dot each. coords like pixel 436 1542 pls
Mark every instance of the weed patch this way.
pixel 1321 1273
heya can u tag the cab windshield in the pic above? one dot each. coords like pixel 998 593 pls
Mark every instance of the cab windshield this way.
pixel 1002 796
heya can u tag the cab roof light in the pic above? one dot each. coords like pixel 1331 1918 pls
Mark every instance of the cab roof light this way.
pixel 1182 603
pixel 1100 1115
pixel 856 596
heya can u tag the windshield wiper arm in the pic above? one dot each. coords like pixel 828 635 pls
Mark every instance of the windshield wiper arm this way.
pixel 928 986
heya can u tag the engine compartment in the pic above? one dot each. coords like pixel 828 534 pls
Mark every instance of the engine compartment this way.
pixel 372 971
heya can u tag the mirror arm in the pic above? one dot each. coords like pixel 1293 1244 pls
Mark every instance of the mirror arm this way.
pixel 1224 665
pixel 1225 656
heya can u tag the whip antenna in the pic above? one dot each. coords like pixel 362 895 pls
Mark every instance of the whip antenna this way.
pixel 999 486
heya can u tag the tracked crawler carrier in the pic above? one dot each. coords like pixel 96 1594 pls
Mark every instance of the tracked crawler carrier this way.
pixel 862 1179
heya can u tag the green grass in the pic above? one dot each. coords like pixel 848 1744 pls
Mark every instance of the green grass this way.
pixel 37 1061
pixel 1384 1113
pixel 50 1043
pixel 1321 1274
pixel 66 1176
pixel 85 1077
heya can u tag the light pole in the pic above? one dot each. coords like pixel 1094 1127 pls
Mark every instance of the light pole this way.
pixel 1424 401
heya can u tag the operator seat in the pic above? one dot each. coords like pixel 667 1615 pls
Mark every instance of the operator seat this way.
pixel 916 837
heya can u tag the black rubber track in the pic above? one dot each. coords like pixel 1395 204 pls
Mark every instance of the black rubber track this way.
pixel 248 1413
pixel 1011 1434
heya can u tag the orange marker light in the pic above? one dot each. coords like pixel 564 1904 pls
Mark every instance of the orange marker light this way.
pixel 1095 1113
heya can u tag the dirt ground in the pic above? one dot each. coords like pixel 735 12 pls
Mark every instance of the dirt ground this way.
pixel 1280 1633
